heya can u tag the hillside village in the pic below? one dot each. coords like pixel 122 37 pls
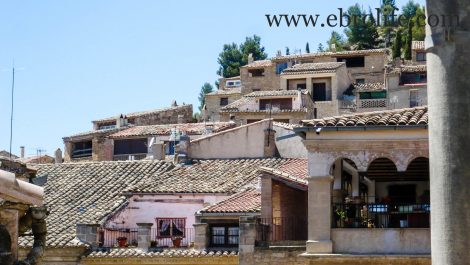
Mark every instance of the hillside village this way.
pixel 289 160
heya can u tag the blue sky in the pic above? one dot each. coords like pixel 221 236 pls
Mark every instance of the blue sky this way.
pixel 82 60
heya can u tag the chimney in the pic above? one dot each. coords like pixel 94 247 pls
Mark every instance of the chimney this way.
pixel 58 156
pixel 183 149
pixel 158 149
pixel 143 235
pixel 22 151
pixel 279 53
pixel 120 121
pixel 180 118
pixel 333 47
pixel 250 58
pixel 88 233
pixel 269 142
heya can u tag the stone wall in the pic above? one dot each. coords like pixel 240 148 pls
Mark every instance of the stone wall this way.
pixel 242 118
pixel 213 105
pixel 270 80
pixel 169 116
pixel 59 256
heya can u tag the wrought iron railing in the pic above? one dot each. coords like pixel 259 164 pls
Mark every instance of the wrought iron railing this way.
pixel 127 237
pixel 281 229
pixel 381 215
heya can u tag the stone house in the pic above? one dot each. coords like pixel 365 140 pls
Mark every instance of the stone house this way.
pixel 280 105
pixel 365 193
pixel 95 146
pixel 418 52
pixel 219 99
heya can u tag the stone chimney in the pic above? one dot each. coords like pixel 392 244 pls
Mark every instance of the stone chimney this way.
pixel 183 149
pixel 143 236
pixel 22 151
pixel 269 143
pixel 88 233
pixel 250 58
pixel 158 150
pixel 120 121
pixel 180 119
pixel 333 47
pixel 58 156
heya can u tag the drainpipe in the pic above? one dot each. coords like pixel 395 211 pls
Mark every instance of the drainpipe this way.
pixel 449 123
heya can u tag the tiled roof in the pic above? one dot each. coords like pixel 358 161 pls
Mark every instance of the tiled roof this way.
pixel 169 253
pixel 7 154
pixel 289 126
pixel 259 64
pixel 369 87
pixel 94 132
pixel 407 116
pixel 260 94
pixel 417 45
pixel 295 170
pixel 189 128
pixel 87 193
pixel 312 68
pixel 413 68
pixel 226 91
pixel 209 176
pixel 333 54
pixel 143 113
pixel 272 93
pixel 248 201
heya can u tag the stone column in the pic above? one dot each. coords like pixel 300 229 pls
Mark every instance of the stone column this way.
pixel 201 238
pixel 269 142
pixel 309 85
pixel 319 215
pixel 448 65
pixel 246 246
pixel 143 235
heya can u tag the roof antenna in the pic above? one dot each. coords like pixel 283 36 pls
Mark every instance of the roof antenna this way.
pixel 11 116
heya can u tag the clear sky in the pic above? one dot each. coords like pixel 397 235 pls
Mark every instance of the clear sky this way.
pixel 82 60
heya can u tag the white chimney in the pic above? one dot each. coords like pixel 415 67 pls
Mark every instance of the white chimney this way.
pixel 22 151
pixel 158 149
pixel 333 47
pixel 58 156
pixel 120 121
pixel 250 58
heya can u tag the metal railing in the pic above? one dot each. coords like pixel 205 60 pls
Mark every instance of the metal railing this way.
pixel 129 157
pixel 380 215
pixel 125 237
pixel 81 152
pixel 281 229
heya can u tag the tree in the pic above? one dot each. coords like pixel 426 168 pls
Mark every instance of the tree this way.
pixel 320 48
pixel 307 48
pixel 252 45
pixel 230 60
pixel 409 9
pixel 396 51
pixel 418 24
pixel 337 39
pixel 205 89
pixel 363 33
pixel 408 41
pixel 287 51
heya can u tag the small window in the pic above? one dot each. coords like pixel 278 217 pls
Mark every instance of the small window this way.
pixel 301 86
pixel 232 83
pixel 224 235
pixel 352 61
pixel 256 72
pixel 320 93
pixel 170 147
pixel 420 56
pixel 414 98
pixel 223 101
pixel 170 227
pixel 280 67
pixel 275 104
pixel 360 81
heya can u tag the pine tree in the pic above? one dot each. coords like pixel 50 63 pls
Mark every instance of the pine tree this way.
pixel 320 48
pixel 307 48
pixel 287 51
pixel 205 89
pixel 409 40
pixel 397 45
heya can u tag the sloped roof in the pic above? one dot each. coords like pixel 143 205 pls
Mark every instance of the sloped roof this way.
pixel 247 201
pixel 295 170
pixel 333 54
pixel 226 91
pixel 259 64
pixel 169 253
pixel 93 132
pixel 407 116
pixel 413 68
pixel 313 68
pixel 369 87
pixel 87 193
pixel 209 176
pixel 165 129
pixel 234 106
pixel 6 154
pixel 143 113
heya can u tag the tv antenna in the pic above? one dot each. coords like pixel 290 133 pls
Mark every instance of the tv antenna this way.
pixel 12 101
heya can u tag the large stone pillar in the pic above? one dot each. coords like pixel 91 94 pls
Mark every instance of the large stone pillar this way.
pixel 246 246
pixel 266 197
pixel 448 56
pixel 319 215
pixel 201 238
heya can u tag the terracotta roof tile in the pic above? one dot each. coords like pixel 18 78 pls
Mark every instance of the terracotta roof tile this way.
pixel 234 106
pixel 259 64
pixel 87 193
pixel 413 68
pixel 188 128
pixel 248 201
pixel 143 113
pixel 312 68
pixel 226 91
pixel 168 253
pixel 295 170
pixel 369 87
pixel 333 54
pixel 407 116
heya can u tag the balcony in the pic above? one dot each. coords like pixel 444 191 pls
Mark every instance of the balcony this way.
pixel 79 153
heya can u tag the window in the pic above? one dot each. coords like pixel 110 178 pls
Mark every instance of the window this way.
pixel 223 101
pixel 301 86
pixel 320 92
pixel 256 72
pixel 414 99
pixel 360 81
pixel 224 235
pixel 275 104
pixel 169 227
pixel 82 149
pixel 420 56
pixel 352 61
pixel 130 146
pixel 413 78
pixel 170 147
pixel 232 83
pixel 280 67
pixel 256 89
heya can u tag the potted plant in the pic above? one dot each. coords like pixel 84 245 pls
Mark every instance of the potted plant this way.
pixel 176 241
pixel 341 217
pixel 122 241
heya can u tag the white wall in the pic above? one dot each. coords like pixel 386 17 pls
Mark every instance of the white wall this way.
pixel 289 144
